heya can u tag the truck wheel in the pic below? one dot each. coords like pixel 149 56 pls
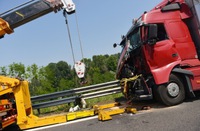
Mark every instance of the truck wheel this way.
pixel 173 92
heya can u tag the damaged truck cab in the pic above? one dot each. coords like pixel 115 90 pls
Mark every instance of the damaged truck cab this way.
pixel 160 53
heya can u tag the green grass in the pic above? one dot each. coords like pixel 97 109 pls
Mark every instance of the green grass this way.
pixel 103 99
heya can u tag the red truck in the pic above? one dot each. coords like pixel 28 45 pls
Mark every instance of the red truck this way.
pixel 161 53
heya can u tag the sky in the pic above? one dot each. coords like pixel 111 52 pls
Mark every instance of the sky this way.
pixel 45 40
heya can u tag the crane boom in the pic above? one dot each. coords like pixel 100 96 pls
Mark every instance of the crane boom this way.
pixel 30 11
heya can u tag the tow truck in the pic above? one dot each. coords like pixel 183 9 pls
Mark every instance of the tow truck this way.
pixel 15 103
pixel 160 55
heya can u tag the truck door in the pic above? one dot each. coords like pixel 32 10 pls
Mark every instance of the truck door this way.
pixel 162 56
pixel 163 52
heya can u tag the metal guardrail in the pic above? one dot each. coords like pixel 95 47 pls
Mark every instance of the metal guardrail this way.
pixel 70 96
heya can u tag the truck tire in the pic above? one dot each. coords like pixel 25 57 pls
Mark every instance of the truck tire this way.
pixel 171 93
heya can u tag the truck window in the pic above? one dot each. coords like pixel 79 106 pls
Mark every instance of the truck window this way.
pixel 162 35
pixel 134 38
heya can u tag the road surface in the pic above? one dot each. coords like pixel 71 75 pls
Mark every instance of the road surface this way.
pixel 183 117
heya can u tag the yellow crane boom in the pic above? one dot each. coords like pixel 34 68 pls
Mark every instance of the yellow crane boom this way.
pixel 31 10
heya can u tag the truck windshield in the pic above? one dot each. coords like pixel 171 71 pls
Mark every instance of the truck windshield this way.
pixel 135 39
pixel 132 40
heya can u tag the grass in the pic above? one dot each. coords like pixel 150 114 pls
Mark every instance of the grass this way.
pixel 103 99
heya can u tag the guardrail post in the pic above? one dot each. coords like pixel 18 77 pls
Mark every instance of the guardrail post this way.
pixel 38 110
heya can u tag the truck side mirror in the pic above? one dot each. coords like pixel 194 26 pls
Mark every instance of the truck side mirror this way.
pixel 114 45
pixel 152 34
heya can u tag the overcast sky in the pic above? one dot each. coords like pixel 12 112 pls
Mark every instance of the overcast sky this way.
pixel 45 40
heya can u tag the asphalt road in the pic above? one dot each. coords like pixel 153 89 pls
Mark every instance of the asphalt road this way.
pixel 183 117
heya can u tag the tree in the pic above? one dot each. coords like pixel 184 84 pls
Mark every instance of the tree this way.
pixel 3 71
pixel 99 61
pixel 34 76
pixel 55 72
pixel 17 70
pixel 111 62
pixel 64 70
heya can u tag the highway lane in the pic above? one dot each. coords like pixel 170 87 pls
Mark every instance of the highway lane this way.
pixel 183 117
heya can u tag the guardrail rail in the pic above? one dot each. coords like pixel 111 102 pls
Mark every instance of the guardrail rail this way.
pixel 69 96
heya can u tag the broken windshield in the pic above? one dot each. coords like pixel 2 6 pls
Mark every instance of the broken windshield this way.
pixel 134 39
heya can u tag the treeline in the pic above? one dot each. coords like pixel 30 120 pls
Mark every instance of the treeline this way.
pixel 61 76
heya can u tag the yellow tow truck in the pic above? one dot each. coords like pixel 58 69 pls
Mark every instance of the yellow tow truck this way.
pixel 15 103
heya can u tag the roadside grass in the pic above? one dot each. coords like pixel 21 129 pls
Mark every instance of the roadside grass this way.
pixel 103 99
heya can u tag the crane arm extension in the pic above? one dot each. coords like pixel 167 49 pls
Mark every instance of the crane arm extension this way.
pixel 18 17
pixel 4 28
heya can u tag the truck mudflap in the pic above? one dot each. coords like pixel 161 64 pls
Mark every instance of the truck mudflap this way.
pixel 186 73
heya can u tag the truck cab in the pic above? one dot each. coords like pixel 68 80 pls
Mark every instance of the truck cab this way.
pixel 160 53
